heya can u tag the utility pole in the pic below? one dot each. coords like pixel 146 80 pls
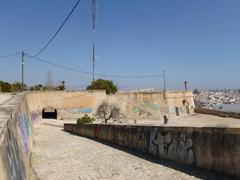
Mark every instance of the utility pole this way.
pixel 23 71
pixel 164 81
pixel 164 84
pixel 94 34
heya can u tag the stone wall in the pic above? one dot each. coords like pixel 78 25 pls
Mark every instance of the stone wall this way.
pixel 140 105
pixel 15 139
pixel 215 149
pixel 217 112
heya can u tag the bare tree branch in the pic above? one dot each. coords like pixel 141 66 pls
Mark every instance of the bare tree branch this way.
pixel 107 112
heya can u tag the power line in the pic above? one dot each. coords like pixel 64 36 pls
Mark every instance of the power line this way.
pixel 9 55
pixel 55 34
pixel 90 73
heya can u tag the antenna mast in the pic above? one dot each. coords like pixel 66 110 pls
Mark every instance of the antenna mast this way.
pixel 94 34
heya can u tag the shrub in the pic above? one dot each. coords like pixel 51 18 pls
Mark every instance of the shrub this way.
pixel 84 120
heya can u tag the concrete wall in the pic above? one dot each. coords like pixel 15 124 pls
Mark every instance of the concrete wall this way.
pixel 15 139
pixel 154 105
pixel 145 105
pixel 215 149
pixel 217 112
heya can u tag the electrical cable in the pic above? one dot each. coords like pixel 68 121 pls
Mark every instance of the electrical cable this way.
pixel 55 34
pixel 90 73
pixel 9 55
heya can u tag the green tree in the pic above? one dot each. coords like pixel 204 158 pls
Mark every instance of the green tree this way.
pixel 5 86
pixel 8 87
pixel 17 86
pixel 102 84
pixel 37 87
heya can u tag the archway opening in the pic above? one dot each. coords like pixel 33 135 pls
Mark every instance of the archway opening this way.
pixel 49 113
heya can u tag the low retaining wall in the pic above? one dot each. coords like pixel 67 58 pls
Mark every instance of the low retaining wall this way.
pixel 215 149
pixel 217 112
pixel 15 139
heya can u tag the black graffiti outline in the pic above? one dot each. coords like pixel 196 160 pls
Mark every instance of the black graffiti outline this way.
pixel 165 144
pixel 182 145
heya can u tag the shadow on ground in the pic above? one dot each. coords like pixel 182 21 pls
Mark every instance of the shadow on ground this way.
pixel 190 170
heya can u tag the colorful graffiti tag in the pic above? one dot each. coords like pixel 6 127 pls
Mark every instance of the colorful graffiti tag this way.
pixel 24 128
pixel 34 115
pixel 148 104
pixel 146 108
pixel 135 109
pixel 13 157
pixel 80 110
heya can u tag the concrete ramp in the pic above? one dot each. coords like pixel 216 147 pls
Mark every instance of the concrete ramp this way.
pixel 64 156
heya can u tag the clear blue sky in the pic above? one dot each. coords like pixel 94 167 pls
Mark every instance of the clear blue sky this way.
pixel 196 41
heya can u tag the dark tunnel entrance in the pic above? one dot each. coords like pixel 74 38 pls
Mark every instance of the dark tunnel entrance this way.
pixel 49 113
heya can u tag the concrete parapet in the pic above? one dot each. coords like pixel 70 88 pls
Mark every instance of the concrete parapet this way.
pixel 214 149
pixel 217 112
pixel 16 139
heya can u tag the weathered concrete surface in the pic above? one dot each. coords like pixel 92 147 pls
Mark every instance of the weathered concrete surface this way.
pixel 217 112
pixel 215 149
pixel 60 155
pixel 148 105
pixel 15 139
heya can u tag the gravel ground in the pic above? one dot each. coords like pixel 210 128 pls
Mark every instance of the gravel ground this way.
pixel 60 155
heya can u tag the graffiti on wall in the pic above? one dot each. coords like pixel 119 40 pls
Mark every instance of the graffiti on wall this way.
pixel 172 110
pixel 24 129
pixel 172 145
pixel 148 104
pixel 85 110
pixel 13 161
pixel 34 115
pixel 135 109
pixel 16 143
pixel 146 108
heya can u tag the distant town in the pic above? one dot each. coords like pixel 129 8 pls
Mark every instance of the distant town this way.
pixel 211 98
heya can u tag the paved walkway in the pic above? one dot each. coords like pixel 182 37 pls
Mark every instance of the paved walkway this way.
pixel 193 120
pixel 4 97
pixel 59 155
pixel 196 120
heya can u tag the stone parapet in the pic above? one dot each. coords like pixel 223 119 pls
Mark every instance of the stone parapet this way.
pixel 214 149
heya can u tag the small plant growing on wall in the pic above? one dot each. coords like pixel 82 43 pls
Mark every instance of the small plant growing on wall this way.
pixel 108 111
pixel 84 120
